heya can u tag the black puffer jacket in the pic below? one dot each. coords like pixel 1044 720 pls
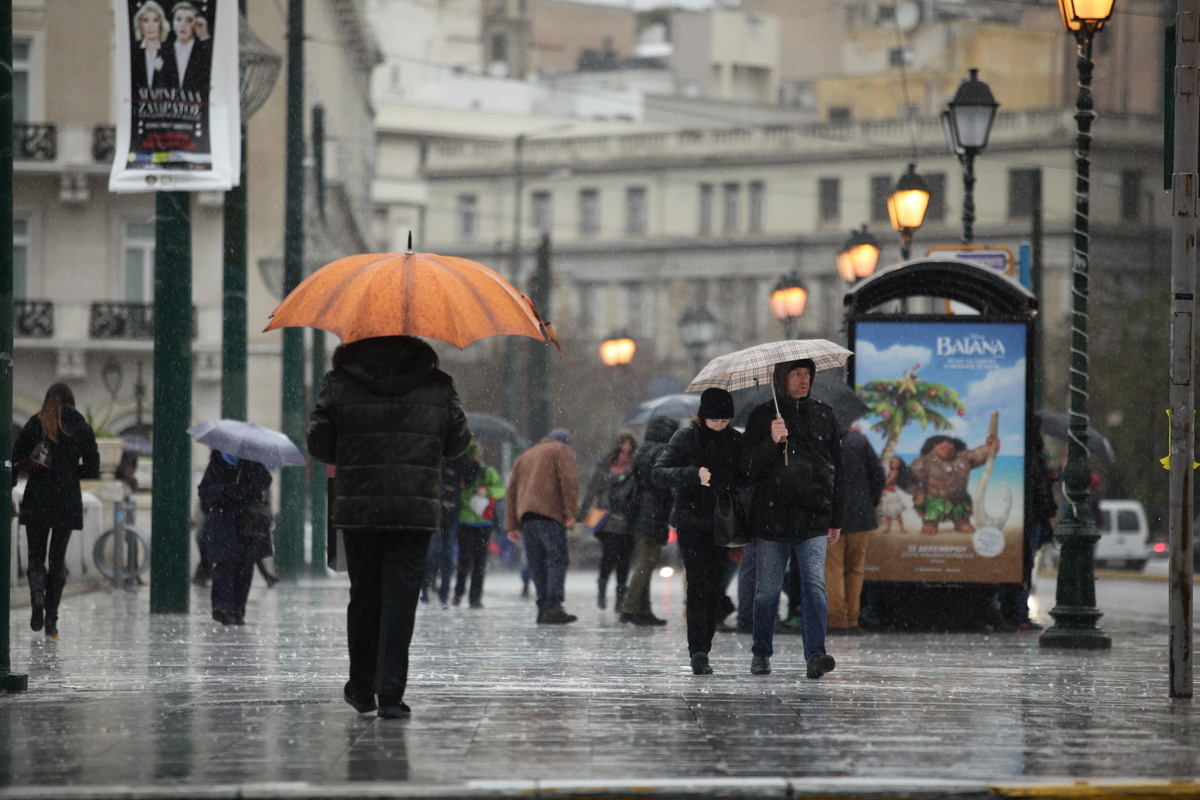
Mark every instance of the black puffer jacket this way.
pixel 52 498
pixel 802 498
pixel 862 483
pixel 386 417
pixel 678 467
pixel 654 502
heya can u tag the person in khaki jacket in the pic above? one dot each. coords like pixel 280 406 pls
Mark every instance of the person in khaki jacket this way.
pixel 543 493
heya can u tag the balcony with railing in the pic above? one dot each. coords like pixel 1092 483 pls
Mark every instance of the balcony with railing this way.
pixel 125 321
pixel 40 143
pixel 33 319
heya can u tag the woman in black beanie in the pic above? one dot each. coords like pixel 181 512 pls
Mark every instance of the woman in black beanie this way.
pixel 699 462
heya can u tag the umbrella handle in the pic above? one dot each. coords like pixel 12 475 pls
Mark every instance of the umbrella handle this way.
pixel 778 415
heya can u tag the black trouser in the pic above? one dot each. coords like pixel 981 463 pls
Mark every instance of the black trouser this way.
pixel 616 551
pixel 48 587
pixel 386 571
pixel 704 563
pixel 472 558
pixel 231 586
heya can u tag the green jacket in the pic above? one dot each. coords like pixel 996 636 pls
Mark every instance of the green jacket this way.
pixel 489 478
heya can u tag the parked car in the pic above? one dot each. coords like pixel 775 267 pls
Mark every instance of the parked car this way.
pixel 1124 536
pixel 1161 546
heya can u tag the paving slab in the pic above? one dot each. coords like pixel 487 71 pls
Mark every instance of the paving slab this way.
pixel 130 704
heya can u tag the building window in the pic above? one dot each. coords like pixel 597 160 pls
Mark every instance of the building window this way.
pixel 589 212
pixel 1131 196
pixel 731 205
pixel 881 188
pixel 829 200
pixel 758 205
pixel 635 210
pixel 20 254
pixel 706 208
pixel 936 211
pixel 138 262
pixel 499 47
pixel 1023 186
pixel 543 217
pixel 468 217
pixel 20 81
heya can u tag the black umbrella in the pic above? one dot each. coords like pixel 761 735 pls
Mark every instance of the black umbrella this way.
pixel 1056 425
pixel 834 392
pixel 675 406
pixel 485 426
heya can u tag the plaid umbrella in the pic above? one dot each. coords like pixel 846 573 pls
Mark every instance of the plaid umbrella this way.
pixel 755 366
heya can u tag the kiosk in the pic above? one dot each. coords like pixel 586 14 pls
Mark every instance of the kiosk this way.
pixel 949 408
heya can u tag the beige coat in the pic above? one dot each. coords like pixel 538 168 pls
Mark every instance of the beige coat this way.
pixel 545 481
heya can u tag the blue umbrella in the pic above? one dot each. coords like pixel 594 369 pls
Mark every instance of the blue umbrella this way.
pixel 249 441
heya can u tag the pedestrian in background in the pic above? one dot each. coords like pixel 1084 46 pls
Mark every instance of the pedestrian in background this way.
pixel 846 559
pixel 543 493
pixel 55 449
pixel 616 544
pixel 649 522
pixel 796 508
pixel 476 521
pixel 700 461
pixel 231 486
pixel 457 474
pixel 386 417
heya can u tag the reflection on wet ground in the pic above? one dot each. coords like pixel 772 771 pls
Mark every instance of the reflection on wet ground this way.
pixel 130 699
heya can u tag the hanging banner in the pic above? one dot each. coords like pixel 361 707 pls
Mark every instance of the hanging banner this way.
pixel 947 413
pixel 178 123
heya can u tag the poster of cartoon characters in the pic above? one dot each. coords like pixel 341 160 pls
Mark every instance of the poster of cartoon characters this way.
pixel 946 412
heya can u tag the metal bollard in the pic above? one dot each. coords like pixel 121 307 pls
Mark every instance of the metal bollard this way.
pixel 118 579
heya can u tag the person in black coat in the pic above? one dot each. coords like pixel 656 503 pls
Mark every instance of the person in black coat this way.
pixel 648 523
pixel 700 461
pixel 794 458
pixel 52 505
pixel 846 559
pixel 616 545
pixel 386 417
pixel 228 490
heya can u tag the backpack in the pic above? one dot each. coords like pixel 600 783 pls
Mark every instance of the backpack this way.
pixel 623 494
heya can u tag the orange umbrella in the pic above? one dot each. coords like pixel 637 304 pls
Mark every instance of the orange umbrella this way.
pixel 419 294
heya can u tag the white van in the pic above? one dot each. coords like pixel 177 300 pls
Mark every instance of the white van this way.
pixel 1124 535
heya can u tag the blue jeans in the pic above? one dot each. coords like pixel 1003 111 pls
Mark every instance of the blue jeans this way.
pixel 772 564
pixel 441 560
pixel 546 548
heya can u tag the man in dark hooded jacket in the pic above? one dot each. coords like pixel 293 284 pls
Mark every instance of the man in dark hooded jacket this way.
pixel 648 523
pixel 794 457
pixel 386 418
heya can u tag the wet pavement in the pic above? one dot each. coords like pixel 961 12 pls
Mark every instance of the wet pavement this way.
pixel 129 704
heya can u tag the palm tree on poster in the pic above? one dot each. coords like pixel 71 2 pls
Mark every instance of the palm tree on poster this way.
pixel 900 403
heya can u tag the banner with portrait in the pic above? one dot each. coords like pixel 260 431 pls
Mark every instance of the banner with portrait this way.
pixel 178 119
pixel 947 413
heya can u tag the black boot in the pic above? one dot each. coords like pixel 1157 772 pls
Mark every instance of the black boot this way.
pixel 600 601
pixel 619 604
pixel 38 618
pixel 52 624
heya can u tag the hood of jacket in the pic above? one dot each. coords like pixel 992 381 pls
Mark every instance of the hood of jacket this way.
pixel 386 365
pixel 780 379
pixel 661 429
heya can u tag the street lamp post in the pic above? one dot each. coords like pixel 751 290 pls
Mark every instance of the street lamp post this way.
pixel 617 351
pixel 858 257
pixel 697 328
pixel 788 299
pixel 967 123
pixel 906 208
pixel 1075 613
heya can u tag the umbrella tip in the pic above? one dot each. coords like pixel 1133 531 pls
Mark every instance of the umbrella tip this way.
pixel 410 243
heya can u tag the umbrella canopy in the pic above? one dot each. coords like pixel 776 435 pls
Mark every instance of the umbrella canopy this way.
pixel 1056 425
pixel 837 394
pixel 138 445
pixel 485 426
pixel 419 294
pixel 675 406
pixel 755 366
pixel 249 441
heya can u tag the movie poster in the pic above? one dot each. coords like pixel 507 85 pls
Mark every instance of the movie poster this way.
pixel 947 405
pixel 178 124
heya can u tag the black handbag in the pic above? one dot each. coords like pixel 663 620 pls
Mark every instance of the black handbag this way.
pixel 256 518
pixel 730 522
